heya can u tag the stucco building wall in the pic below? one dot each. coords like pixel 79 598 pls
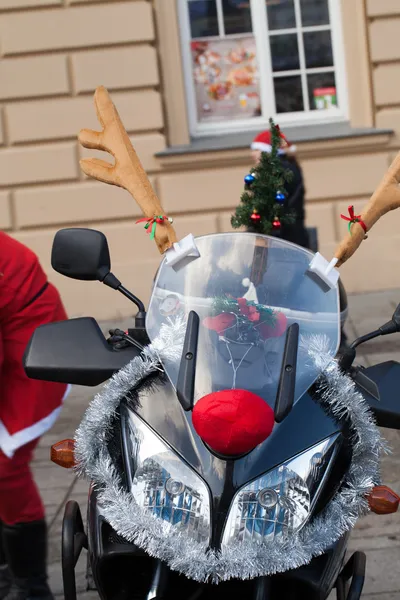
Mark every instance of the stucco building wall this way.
pixel 53 53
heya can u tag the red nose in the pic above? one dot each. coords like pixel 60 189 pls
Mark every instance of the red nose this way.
pixel 233 422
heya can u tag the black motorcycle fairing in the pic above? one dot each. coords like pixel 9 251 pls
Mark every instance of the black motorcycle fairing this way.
pixel 156 403
pixel 307 425
pixel 337 473
pixel 111 558
pixel 315 580
pixel 387 409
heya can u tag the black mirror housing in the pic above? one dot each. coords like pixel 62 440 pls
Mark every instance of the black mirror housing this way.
pixel 396 317
pixel 386 410
pixel 81 254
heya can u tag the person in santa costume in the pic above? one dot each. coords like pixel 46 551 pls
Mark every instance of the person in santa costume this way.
pixel 28 408
pixel 296 232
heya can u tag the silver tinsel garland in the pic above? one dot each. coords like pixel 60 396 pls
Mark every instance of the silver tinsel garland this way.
pixel 340 398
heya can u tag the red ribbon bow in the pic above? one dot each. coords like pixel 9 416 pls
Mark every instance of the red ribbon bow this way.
pixel 151 224
pixel 354 219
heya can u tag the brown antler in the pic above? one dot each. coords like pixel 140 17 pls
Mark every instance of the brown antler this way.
pixel 385 198
pixel 127 172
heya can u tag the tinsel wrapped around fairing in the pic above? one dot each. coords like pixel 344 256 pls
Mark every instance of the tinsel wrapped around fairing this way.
pixel 339 397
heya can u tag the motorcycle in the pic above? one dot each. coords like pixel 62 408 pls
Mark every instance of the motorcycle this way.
pixel 175 511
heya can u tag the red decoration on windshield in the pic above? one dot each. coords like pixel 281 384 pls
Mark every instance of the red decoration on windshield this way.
pixel 219 323
pixel 240 312
pixel 248 310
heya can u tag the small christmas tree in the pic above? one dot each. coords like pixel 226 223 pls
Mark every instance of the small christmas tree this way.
pixel 262 206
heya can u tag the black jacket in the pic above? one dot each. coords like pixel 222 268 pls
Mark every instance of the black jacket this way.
pixel 297 232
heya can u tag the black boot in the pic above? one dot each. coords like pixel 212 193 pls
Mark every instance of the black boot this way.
pixel 5 579
pixel 25 547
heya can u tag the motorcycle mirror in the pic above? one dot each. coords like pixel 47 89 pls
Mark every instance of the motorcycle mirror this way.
pixel 81 253
pixel 393 325
pixel 396 317
pixel 347 358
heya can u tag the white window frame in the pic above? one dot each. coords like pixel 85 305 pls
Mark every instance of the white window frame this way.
pixel 267 99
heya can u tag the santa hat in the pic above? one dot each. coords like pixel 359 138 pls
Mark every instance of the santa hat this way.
pixel 263 142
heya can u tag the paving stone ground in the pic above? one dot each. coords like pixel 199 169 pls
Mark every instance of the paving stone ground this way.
pixel 379 536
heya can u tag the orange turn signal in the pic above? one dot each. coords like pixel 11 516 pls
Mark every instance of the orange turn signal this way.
pixel 62 454
pixel 383 501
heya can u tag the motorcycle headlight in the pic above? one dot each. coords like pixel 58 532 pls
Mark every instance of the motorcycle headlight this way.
pixel 279 503
pixel 166 486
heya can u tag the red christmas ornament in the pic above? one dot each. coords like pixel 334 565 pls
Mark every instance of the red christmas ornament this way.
pixel 233 422
pixel 276 330
pixel 255 216
pixel 276 224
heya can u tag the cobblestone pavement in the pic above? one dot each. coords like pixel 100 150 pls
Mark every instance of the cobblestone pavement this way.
pixel 379 537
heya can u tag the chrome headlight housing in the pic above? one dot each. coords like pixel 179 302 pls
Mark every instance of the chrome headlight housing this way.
pixel 279 503
pixel 164 485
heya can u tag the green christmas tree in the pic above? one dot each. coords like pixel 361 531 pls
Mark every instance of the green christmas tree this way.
pixel 262 206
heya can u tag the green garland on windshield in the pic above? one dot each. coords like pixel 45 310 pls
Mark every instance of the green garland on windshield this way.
pixel 225 304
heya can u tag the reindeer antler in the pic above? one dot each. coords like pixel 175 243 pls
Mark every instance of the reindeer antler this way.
pixel 127 172
pixel 385 198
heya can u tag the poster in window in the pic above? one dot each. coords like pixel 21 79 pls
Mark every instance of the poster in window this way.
pixel 325 98
pixel 226 79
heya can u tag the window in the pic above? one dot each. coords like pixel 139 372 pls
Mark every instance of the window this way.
pixel 247 60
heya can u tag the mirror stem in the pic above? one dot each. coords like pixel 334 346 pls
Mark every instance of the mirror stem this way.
pixel 386 329
pixel 349 355
pixel 366 338
pixel 132 298
pixel 111 281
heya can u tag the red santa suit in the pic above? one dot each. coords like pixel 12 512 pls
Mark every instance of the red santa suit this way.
pixel 28 408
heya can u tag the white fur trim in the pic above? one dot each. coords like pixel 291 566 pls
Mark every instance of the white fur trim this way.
pixel 10 443
pixel 268 148
pixel 261 146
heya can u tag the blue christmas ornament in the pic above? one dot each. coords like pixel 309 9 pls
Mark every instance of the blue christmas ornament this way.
pixel 249 179
pixel 280 197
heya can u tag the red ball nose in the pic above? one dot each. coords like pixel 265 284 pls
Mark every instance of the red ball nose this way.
pixel 233 422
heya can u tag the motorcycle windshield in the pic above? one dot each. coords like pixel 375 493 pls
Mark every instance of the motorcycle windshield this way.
pixel 247 290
